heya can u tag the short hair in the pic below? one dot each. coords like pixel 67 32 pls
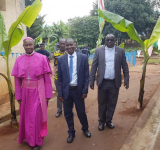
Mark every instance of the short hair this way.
pixel 69 39
pixel 60 40
pixel 110 35
pixel 42 44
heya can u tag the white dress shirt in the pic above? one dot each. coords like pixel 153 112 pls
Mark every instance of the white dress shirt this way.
pixel 74 74
pixel 109 63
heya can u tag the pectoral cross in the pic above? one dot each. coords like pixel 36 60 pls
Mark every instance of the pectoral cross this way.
pixel 28 79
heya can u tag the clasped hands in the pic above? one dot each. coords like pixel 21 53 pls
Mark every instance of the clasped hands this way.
pixel 62 100
pixel 20 101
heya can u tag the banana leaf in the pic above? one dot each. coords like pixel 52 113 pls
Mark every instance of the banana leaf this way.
pixel 155 34
pixel 92 51
pixel 16 32
pixel 121 24
pixel 122 45
pixel 51 47
pixel 3 33
pixel 37 40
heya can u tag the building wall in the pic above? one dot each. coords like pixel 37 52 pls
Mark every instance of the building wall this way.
pixel 13 9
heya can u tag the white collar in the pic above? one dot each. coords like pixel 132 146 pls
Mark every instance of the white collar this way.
pixel 110 48
pixel 74 54
pixel 30 54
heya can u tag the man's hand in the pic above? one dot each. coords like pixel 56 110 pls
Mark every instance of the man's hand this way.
pixel 47 99
pixel 126 85
pixel 92 87
pixel 19 101
pixel 55 69
pixel 61 99
pixel 84 96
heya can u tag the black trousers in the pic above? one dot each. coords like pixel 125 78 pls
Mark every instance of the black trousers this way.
pixel 107 100
pixel 80 108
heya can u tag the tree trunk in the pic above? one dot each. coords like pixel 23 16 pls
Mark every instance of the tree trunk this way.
pixel 12 98
pixel 142 82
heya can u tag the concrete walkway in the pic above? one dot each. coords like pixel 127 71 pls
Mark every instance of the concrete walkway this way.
pixel 145 134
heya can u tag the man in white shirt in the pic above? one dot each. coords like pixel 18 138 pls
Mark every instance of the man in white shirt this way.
pixel 73 80
pixel 108 62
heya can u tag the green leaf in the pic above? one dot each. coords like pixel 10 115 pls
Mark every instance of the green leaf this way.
pixel 146 42
pixel 37 40
pixel 51 47
pixel 122 45
pixel 3 34
pixel 155 44
pixel 121 24
pixel 16 32
pixel 155 34
pixel 92 51
pixel 16 37
pixel 7 48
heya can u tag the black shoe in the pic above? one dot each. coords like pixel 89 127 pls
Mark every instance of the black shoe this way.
pixel 70 139
pixel 87 133
pixel 101 127
pixel 58 114
pixel 36 148
pixel 110 125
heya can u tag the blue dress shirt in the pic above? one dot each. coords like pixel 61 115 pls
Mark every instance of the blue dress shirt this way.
pixel 109 63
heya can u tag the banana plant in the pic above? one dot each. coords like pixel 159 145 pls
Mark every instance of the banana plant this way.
pixel 14 36
pixel 38 40
pixel 123 25
pixel 50 46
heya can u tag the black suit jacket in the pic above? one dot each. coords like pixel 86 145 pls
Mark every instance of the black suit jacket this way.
pixel 99 63
pixel 82 75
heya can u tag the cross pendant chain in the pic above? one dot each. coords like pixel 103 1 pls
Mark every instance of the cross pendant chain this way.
pixel 28 69
pixel 28 79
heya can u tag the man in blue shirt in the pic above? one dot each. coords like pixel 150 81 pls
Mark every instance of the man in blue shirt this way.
pixel 107 63
pixel 43 51
pixel 86 50
pixel 77 48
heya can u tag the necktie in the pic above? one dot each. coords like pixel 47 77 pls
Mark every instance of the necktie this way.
pixel 71 68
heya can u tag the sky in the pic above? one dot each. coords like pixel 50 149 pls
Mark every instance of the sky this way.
pixel 56 10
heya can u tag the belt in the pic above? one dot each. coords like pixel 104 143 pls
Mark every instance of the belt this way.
pixel 31 85
pixel 109 79
pixel 72 87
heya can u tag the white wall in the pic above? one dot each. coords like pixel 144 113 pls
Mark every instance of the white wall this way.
pixel 13 9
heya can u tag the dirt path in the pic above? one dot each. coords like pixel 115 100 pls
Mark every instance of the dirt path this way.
pixel 124 119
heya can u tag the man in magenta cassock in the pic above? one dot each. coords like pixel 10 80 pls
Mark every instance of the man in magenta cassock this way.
pixel 33 89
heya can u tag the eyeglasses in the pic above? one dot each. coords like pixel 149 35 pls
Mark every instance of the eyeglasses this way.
pixel 109 40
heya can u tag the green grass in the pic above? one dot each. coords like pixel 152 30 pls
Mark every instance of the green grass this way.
pixel 153 61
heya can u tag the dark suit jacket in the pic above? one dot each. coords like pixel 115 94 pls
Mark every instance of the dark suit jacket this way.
pixel 99 63
pixel 82 75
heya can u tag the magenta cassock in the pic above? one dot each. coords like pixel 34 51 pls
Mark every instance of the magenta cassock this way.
pixel 32 86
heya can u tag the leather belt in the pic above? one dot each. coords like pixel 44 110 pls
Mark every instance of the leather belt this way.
pixel 72 87
pixel 109 79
